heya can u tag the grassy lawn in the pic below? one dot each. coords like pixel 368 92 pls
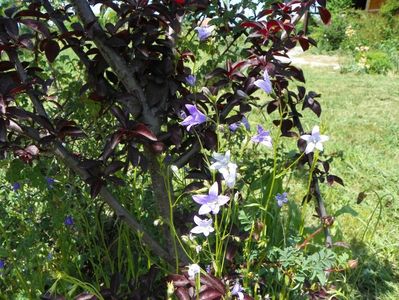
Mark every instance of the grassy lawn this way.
pixel 361 116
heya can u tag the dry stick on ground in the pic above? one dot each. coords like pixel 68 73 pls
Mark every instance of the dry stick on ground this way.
pixel 73 163
pixel 148 116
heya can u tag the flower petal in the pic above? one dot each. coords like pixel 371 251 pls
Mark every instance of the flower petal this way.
pixel 222 200
pixel 306 137
pixel 309 148
pixel 204 209
pixel 197 230
pixel 324 138
pixel 319 146
pixel 214 190
pixel 201 199
pixel 315 130
pixel 197 220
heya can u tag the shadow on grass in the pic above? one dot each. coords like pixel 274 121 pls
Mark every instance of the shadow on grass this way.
pixel 373 277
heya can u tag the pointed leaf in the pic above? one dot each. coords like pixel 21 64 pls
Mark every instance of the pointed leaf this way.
pixel 325 15
pixel 182 294
pixel 142 130
pixel 51 49
pixel 213 282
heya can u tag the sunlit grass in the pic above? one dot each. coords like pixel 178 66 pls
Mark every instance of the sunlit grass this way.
pixel 361 115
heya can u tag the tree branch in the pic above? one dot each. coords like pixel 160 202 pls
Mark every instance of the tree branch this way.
pixel 73 163
pixel 116 62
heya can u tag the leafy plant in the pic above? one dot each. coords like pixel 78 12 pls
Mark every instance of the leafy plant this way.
pixel 129 111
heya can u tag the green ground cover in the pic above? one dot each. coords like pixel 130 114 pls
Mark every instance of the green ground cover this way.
pixel 361 115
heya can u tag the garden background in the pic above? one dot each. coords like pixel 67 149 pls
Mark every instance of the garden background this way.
pixel 60 240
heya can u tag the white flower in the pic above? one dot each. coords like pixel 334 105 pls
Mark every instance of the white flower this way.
pixel 203 226
pixel 198 248
pixel 237 291
pixel 225 167
pixel 315 140
pixel 193 270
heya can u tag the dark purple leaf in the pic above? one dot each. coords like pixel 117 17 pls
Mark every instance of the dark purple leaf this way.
pixel 9 12
pixel 325 15
pixel 85 296
pixel 213 282
pixel 96 187
pixel 3 131
pixel 210 294
pixel 210 140
pixel 326 166
pixel 51 49
pixel 6 65
pixel 31 13
pixel 178 280
pixel 111 145
pixel 116 180
pixel 332 178
pixel 157 147
pixel 361 197
pixel 142 130
pixel 304 43
pixel 113 167
pixel 11 27
pixel 37 26
pixel 182 294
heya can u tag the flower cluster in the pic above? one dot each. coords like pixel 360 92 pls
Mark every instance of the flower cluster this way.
pixel 225 167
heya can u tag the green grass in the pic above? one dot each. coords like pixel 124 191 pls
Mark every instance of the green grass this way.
pixel 361 116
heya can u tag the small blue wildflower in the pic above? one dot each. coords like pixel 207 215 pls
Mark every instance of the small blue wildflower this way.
pixel 281 199
pixel 16 186
pixel 2 264
pixel 68 221
pixel 234 126
pixel 191 79
pixel 196 117
pixel 237 291
pixel 50 182
pixel 49 256
pixel 204 32
pixel 263 137
pixel 208 269
pixel 211 202
pixel 244 121
pixel 265 83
